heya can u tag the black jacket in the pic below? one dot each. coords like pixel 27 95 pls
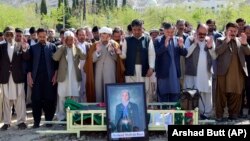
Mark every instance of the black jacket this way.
pixel 14 67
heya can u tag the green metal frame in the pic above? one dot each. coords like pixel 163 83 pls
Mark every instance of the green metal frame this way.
pixel 72 127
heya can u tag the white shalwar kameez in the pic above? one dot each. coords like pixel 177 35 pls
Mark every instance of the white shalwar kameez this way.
pixel 69 88
pixel 13 94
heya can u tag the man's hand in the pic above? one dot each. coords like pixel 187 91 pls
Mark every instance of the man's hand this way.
pixel 167 41
pixel 122 38
pixel 54 78
pixel 243 39
pixel 110 47
pixel 116 48
pixel 98 47
pixel 24 44
pixel 196 38
pixel 30 80
pixel 180 42
pixel 118 51
pixel 150 72
pixel 75 41
pixel 228 36
pixel 210 42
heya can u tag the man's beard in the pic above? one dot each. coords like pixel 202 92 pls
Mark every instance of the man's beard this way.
pixel 202 39
pixel 233 36
pixel 81 40
pixel 210 30
pixel 42 42
pixel 118 41
pixel 105 41
pixel 11 41
pixel 96 38
pixel 69 45
pixel 181 31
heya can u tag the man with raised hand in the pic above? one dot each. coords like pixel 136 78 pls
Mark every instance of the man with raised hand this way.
pixel 12 78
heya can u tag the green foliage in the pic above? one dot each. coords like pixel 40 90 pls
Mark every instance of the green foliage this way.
pixel 116 3
pixel 36 8
pixel 74 4
pixel 54 18
pixel 116 17
pixel 43 7
pixel 66 3
pixel 66 11
pixel 74 22
pixel 111 4
pixel 105 5
pixel 77 2
pixel 75 8
pixel 99 5
pixel 59 3
pixel 17 17
pixel 124 3
pixel 153 17
pixel 93 3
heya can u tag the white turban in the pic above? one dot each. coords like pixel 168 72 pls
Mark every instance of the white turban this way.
pixel 69 34
pixel 105 30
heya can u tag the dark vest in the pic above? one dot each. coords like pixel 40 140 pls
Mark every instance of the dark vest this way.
pixel 130 61
pixel 35 56
pixel 15 67
pixel 42 67
pixel 191 62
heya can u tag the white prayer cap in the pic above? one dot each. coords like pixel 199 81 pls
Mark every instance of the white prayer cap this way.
pixel 26 31
pixel 72 29
pixel 105 30
pixel 69 34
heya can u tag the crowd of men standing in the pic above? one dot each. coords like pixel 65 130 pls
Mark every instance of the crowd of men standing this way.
pixel 40 69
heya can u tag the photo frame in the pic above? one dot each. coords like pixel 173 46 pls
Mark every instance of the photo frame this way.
pixel 126 112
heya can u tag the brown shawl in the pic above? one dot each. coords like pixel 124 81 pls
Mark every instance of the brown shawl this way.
pixel 89 70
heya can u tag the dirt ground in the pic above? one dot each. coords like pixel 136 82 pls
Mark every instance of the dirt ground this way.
pixel 30 134
pixel 13 134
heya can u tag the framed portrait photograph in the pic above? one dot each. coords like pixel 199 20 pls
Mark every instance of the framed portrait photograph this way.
pixel 126 112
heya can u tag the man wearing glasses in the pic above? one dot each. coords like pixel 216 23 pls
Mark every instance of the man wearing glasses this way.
pixel 201 52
